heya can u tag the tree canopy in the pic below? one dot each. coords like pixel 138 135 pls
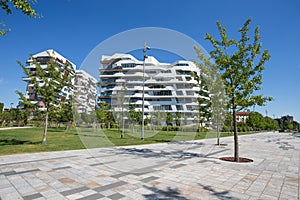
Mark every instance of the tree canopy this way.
pixel 241 63
pixel 48 83
pixel 24 5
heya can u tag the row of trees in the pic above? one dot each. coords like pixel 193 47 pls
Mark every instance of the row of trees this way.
pixel 255 122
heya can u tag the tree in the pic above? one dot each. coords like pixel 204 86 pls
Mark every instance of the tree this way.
pixel 287 125
pixel 4 118
pixel 178 118
pixel 102 113
pixel 255 121
pixel 66 112
pixel 24 5
pixel 211 81
pixel 241 63
pixel 48 83
pixel 135 116
pixel 118 103
pixel 269 124
pixel 1 107
pixel 169 119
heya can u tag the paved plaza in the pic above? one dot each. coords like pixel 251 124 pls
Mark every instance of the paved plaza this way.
pixel 179 170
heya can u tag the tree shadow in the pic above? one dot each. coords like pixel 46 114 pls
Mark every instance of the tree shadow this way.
pixel 169 193
pixel 16 142
pixel 285 145
pixel 220 195
pixel 176 154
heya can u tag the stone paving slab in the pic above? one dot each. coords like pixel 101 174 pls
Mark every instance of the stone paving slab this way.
pixel 179 170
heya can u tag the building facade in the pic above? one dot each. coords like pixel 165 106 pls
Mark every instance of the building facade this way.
pixel 43 58
pixel 85 92
pixel 168 87
pixel 242 116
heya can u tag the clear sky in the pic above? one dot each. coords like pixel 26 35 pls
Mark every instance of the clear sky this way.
pixel 75 27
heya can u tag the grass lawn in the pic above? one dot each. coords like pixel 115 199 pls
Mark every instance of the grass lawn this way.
pixel 29 140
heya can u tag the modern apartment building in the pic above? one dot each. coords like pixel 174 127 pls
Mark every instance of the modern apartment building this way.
pixel 85 92
pixel 43 58
pixel 168 87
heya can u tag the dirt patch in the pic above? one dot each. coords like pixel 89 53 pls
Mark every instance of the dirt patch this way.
pixel 241 160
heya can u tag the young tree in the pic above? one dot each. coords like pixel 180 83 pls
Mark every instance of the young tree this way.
pixel 169 120
pixel 67 112
pixel 178 118
pixel 135 116
pixel 119 104
pixel 48 84
pixel 24 5
pixel 216 107
pixel 241 63
pixel 102 113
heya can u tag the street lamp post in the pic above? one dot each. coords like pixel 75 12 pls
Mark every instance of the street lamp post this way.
pixel 10 113
pixel 143 94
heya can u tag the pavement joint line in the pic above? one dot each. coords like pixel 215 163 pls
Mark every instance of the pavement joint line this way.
pixel 32 196
pixel 92 197
pixel 102 163
pixel 60 168
pixel 74 191
pixel 39 160
pixel 116 196
pixel 10 173
pixel 110 186
pixel 149 179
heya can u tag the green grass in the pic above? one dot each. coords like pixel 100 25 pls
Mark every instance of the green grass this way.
pixel 29 140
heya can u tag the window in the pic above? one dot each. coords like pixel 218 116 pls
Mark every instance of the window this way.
pixel 179 93
pixel 190 93
pixel 179 107
pixel 162 93
pixel 183 72
pixel 166 107
pixel 182 64
pixel 166 71
pixel 128 65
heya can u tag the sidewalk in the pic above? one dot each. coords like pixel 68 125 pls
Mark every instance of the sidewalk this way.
pixel 19 127
pixel 182 170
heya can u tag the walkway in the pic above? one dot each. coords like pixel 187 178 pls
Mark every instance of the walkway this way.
pixel 14 127
pixel 184 170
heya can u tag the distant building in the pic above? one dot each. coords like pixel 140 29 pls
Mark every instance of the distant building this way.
pixel 85 92
pixel 43 58
pixel 242 116
pixel 287 118
pixel 284 119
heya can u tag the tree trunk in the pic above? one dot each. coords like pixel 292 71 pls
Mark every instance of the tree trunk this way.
pixel 122 136
pixel 235 131
pixel 218 135
pixel 45 128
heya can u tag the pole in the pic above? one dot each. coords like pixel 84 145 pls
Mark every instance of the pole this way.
pixel 10 113
pixel 143 93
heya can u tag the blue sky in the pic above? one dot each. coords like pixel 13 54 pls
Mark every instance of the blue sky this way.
pixel 75 27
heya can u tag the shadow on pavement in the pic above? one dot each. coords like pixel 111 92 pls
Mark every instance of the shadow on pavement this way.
pixel 176 154
pixel 169 193
pixel 220 195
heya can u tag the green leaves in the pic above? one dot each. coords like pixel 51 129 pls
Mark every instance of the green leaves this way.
pixel 23 5
pixel 241 64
